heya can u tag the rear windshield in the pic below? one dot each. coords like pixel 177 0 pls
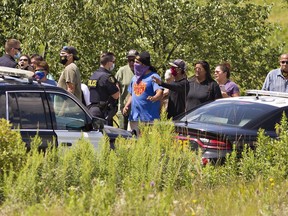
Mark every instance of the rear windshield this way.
pixel 228 113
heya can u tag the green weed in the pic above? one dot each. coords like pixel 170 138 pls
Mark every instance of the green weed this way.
pixel 151 175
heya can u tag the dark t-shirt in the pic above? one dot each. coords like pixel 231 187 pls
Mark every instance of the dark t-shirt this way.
pixel 202 92
pixel 8 61
pixel 178 91
pixel 102 84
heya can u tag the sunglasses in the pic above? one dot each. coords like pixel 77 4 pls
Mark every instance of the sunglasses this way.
pixel 23 60
pixel 283 62
pixel 19 49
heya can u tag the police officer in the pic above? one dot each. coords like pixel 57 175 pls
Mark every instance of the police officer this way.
pixel 104 90
pixel 12 52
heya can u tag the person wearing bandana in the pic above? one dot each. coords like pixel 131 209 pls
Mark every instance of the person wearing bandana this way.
pixel 144 94
pixel 178 88
pixel 277 79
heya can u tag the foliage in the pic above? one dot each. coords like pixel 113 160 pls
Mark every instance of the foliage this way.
pixel 12 148
pixel 236 31
pixel 151 175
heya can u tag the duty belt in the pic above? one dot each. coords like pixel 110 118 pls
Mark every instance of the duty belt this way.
pixel 101 104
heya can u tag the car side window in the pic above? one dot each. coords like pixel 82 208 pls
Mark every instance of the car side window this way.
pixel 26 110
pixel 68 114
pixel 269 124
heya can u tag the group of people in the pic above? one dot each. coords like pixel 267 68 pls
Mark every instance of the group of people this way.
pixel 141 93
pixel 137 93
pixel 70 78
pixel 15 59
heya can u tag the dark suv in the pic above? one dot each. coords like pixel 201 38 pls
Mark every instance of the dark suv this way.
pixel 50 111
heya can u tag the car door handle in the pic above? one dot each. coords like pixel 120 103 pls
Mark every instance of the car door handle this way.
pixel 66 144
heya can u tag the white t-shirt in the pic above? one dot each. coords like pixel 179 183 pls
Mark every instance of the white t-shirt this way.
pixel 86 93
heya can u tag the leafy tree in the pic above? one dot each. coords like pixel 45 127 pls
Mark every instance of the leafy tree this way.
pixel 10 15
pixel 228 30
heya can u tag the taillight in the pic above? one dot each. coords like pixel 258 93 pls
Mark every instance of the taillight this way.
pixel 215 144
pixel 205 161
pixel 204 143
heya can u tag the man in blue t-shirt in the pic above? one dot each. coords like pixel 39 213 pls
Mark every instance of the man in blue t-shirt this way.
pixel 145 95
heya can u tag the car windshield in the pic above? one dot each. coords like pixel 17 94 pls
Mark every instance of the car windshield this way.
pixel 230 113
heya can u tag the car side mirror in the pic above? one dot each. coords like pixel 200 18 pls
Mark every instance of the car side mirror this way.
pixel 98 123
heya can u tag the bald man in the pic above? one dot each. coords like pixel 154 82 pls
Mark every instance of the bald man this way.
pixel 277 79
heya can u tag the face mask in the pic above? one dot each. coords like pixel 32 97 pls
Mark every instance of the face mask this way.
pixel 140 70
pixel 63 60
pixel 39 75
pixel 173 71
pixel 17 56
pixel 112 67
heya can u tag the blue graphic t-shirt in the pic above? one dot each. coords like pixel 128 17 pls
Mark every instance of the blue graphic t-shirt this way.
pixel 141 108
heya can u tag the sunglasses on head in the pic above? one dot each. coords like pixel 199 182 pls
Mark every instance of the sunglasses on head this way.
pixel 283 62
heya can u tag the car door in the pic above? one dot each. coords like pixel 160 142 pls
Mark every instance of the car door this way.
pixel 70 120
pixel 27 112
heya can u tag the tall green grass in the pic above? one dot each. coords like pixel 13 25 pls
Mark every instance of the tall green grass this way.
pixel 152 175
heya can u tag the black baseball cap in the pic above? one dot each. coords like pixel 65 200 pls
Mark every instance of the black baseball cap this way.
pixel 178 63
pixel 71 50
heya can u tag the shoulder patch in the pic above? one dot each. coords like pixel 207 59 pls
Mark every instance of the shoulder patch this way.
pixel 112 79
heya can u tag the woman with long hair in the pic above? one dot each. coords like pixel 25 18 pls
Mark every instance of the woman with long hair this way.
pixel 202 87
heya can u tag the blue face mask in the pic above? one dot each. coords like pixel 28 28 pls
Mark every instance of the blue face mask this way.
pixel 17 56
pixel 39 75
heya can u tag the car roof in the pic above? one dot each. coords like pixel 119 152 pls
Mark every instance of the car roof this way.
pixel 12 79
pixel 11 84
pixel 276 99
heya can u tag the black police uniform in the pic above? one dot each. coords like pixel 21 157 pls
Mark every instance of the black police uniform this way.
pixel 102 85
pixel 8 61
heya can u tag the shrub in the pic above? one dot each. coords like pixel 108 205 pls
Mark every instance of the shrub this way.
pixel 151 175
pixel 12 148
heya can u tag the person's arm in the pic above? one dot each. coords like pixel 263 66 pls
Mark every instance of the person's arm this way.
pixel 70 87
pixel 127 105
pixel 112 86
pixel 236 91
pixel 157 96
pixel 174 86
